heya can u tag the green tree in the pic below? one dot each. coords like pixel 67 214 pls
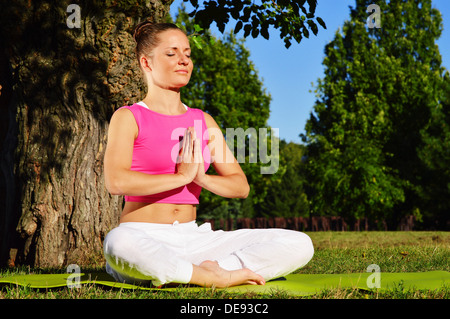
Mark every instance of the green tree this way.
pixel 435 155
pixel 377 94
pixel 286 196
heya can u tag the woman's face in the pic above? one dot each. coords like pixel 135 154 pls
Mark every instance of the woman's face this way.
pixel 170 66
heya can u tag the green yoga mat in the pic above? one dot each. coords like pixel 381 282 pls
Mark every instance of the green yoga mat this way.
pixel 294 284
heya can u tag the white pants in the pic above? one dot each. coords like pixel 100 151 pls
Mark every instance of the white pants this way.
pixel 163 253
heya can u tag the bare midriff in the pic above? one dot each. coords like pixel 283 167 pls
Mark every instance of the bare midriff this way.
pixel 160 213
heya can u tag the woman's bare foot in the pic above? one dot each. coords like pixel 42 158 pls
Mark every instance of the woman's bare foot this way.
pixel 209 274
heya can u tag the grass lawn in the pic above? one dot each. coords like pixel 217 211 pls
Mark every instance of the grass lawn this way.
pixel 335 252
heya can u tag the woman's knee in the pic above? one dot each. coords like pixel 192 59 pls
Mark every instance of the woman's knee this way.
pixel 301 247
pixel 117 243
pixel 307 246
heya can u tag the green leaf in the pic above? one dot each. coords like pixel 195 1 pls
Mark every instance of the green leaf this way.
pixel 197 42
pixel 181 26
pixel 246 16
pixel 305 32
pixel 287 43
pixel 247 30
pixel 235 13
pixel 197 28
pixel 313 26
pixel 238 27
pixel 265 32
pixel 321 22
pixel 255 32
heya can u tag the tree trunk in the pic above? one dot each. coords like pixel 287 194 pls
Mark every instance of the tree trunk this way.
pixel 60 86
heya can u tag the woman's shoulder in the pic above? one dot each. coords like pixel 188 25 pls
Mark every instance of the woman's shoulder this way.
pixel 123 120
pixel 128 110
pixel 208 118
pixel 131 107
pixel 126 114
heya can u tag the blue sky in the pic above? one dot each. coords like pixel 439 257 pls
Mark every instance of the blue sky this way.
pixel 287 73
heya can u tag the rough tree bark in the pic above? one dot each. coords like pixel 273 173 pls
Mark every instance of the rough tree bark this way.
pixel 60 86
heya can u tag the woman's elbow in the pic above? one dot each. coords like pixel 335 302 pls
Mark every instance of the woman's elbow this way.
pixel 113 189
pixel 113 186
pixel 245 191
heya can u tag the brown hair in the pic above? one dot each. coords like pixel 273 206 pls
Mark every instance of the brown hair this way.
pixel 146 36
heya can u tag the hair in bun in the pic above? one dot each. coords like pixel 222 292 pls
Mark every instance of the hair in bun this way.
pixel 146 36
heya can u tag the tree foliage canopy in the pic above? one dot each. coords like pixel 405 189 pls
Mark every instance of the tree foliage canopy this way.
pixel 383 89
pixel 293 18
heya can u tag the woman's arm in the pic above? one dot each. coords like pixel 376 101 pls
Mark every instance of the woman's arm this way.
pixel 121 180
pixel 231 181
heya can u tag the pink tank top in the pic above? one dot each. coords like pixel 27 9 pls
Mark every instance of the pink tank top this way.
pixel 156 149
